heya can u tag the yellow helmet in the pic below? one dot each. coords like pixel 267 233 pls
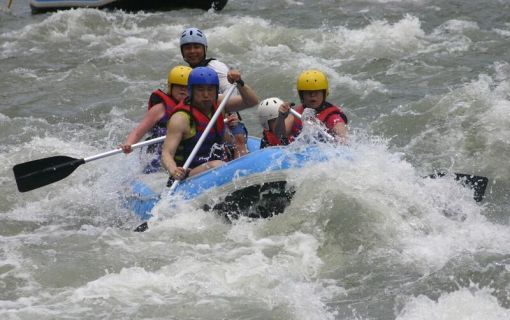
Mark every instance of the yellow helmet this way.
pixel 312 80
pixel 179 75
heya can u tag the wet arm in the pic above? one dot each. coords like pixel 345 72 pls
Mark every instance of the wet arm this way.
pixel 281 128
pixel 150 119
pixel 285 121
pixel 340 132
pixel 247 96
pixel 176 128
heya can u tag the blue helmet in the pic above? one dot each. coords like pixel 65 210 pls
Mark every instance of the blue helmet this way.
pixel 203 76
pixel 193 35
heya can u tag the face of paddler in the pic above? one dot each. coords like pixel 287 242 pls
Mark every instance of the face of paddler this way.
pixel 179 92
pixel 193 53
pixel 204 96
pixel 312 98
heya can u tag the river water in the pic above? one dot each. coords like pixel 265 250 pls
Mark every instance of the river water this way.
pixel 426 86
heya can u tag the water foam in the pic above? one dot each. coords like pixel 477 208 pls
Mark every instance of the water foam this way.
pixel 465 303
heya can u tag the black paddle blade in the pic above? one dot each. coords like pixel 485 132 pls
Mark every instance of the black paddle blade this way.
pixel 141 228
pixel 477 183
pixel 37 173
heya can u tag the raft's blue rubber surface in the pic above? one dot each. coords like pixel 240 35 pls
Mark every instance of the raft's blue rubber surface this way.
pixel 258 161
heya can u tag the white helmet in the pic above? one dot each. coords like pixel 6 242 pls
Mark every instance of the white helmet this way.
pixel 193 35
pixel 267 110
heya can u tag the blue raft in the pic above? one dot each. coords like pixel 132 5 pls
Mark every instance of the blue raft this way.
pixel 254 185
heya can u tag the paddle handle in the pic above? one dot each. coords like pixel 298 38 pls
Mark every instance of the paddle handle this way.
pixel 119 150
pixel 204 135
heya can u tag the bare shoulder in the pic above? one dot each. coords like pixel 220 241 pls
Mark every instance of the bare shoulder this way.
pixel 179 122
pixel 158 108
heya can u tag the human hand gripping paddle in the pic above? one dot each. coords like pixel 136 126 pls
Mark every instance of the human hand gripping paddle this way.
pixel 38 173
pixel 144 226
pixel 477 183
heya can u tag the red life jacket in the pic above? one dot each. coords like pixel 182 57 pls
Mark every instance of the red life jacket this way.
pixel 200 121
pixel 271 139
pixel 159 128
pixel 322 115
pixel 168 101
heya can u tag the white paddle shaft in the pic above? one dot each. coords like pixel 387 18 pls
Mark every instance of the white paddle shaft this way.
pixel 119 150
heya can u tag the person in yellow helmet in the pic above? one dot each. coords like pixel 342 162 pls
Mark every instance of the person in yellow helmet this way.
pixel 160 106
pixel 313 88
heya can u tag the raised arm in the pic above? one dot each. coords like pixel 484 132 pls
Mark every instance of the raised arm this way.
pixel 340 132
pixel 149 120
pixel 247 97
pixel 285 120
pixel 177 127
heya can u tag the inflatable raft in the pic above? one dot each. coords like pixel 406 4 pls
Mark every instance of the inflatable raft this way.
pixel 40 6
pixel 254 185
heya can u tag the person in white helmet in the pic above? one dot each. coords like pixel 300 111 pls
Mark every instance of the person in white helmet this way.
pixel 193 43
pixel 268 113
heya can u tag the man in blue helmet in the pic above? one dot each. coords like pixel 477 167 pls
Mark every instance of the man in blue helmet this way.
pixel 190 118
pixel 193 43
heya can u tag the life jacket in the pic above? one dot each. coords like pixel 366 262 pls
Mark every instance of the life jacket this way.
pixel 159 128
pixel 323 113
pixel 269 139
pixel 198 123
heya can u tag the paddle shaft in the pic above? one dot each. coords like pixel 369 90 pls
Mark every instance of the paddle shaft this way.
pixel 295 113
pixel 119 150
pixel 37 173
pixel 202 138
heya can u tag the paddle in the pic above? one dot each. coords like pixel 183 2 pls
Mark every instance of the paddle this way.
pixel 144 226
pixel 477 183
pixel 37 173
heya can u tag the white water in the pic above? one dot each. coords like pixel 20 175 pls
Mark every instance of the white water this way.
pixel 425 85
